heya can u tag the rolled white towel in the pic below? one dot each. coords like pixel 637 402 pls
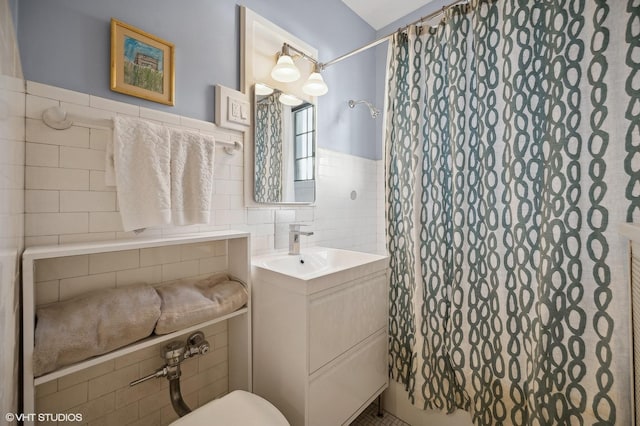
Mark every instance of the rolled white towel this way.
pixel 193 301
pixel 93 324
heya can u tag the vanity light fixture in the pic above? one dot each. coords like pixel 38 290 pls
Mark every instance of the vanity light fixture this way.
pixel 263 89
pixel 289 100
pixel 315 85
pixel 285 71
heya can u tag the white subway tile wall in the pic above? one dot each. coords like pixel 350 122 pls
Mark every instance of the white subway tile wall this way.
pixel 72 275
pixel 339 220
pixel 12 158
pixel 66 200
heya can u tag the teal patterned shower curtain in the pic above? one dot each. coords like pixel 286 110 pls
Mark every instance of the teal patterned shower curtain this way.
pixel 512 153
pixel 268 150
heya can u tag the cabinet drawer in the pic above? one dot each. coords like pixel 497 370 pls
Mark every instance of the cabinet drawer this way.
pixel 337 394
pixel 341 319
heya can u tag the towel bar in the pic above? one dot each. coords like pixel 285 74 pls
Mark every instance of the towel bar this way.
pixel 57 118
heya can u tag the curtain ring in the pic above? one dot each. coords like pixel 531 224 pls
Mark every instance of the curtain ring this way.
pixel 445 15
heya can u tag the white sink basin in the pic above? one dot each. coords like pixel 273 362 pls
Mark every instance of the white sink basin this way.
pixel 297 265
pixel 314 262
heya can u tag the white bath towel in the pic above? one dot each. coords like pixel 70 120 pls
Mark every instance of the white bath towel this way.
pixel 192 157
pixel 109 167
pixel 141 152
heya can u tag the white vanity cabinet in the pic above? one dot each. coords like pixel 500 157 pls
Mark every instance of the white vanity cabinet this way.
pixel 320 340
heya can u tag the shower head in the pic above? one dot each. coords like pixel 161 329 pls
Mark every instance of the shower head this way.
pixel 374 111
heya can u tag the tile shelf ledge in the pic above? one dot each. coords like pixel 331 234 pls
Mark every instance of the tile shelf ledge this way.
pixel 76 249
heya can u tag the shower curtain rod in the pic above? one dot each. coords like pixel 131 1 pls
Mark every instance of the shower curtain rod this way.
pixel 388 36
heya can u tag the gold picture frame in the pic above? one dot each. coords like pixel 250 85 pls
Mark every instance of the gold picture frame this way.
pixel 142 64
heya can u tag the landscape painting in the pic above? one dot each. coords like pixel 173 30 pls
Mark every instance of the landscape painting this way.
pixel 141 64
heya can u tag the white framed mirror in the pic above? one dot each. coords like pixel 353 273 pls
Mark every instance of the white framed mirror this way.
pixel 284 160
pixel 261 41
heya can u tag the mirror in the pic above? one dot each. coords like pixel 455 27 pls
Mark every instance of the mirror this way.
pixel 285 147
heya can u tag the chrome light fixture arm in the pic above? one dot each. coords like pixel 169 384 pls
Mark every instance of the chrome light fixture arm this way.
pixel 287 48
pixel 285 71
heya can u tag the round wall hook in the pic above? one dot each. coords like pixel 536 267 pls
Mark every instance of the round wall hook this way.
pixel 56 118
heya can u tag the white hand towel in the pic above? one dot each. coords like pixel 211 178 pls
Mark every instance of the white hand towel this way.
pixel 192 156
pixel 142 153
pixel 109 166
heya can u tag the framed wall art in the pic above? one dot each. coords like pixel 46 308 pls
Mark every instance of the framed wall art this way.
pixel 142 64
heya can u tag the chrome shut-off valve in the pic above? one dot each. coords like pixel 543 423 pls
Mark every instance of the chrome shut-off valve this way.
pixel 196 345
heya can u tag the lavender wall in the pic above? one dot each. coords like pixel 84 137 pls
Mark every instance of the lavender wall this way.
pixel 65 43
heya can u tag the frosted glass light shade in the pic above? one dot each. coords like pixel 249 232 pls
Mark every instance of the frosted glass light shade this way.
pixel 285 70
pixel 263 89
pixel 315 85
pixel 290 100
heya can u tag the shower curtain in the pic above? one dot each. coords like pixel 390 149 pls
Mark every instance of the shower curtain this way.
pixel 268 150
pixel 512 153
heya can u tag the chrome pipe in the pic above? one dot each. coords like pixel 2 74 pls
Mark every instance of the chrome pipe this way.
pixel 355 52
pixel 178 404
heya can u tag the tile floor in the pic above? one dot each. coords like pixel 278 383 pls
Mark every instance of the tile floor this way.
pixel 369 417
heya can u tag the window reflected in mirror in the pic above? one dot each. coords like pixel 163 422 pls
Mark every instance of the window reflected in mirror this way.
pixel 285 148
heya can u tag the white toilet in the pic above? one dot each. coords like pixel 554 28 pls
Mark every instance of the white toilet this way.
pixel 239 408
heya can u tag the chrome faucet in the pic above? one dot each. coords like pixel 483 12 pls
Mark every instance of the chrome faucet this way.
pixel 294 237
